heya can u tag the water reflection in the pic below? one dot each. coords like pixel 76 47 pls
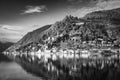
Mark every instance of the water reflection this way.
pixel 12 71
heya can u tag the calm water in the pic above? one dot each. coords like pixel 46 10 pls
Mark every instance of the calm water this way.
pixel 12 71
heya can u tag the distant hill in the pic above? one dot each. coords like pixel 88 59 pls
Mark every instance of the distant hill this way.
pixel 105 16
pixel 4 46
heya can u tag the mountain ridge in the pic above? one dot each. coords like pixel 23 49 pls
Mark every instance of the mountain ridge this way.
pixel 100 18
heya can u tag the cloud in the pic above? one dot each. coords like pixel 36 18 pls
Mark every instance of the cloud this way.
pixel 75 1
pixel 82 2
pixel 11 28
pixel 109 4
pixel 10 33
pixel 90 3
pixel 34 9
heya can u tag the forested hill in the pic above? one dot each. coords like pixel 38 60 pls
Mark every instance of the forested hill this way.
pixel 103 24
pixel 107 21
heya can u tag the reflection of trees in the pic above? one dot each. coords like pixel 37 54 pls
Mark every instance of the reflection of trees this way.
pixel 92 73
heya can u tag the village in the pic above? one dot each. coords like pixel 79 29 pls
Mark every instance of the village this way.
pixel 92 56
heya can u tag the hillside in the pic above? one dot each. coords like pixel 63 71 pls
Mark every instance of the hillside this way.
pixel 97 24
pixel 107 20
pixel 108 16
pixel 33 36
pixel 73 48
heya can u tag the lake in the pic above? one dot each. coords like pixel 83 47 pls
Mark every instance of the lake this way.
pixel 10 70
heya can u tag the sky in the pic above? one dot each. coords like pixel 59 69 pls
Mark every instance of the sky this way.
pixel 18 17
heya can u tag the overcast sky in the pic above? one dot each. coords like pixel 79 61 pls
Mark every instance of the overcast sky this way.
pixel 17 17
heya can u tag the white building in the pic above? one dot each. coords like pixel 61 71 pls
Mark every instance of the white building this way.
pixel 85 54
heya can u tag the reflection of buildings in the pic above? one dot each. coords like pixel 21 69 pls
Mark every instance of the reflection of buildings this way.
pixel 55 54
pixel 85 54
